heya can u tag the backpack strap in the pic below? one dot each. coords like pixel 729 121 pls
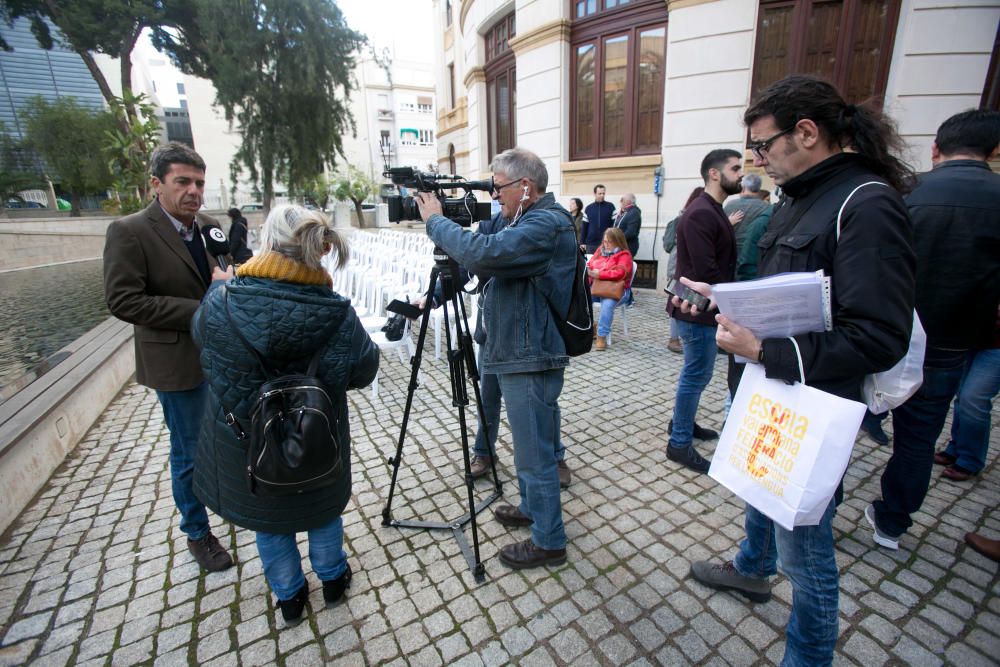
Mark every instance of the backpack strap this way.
pixel 844 205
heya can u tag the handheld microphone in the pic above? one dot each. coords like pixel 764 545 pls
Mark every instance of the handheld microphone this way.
pixel 216 243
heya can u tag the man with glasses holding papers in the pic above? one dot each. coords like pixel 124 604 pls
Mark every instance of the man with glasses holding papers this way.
pixel 799 130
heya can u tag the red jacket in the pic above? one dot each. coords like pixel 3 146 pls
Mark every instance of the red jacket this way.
pixel 615 267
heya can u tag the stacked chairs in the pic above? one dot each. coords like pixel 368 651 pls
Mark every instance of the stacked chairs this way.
pixel 385 265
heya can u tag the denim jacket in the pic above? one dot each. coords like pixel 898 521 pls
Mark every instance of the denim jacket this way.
pixel 527 261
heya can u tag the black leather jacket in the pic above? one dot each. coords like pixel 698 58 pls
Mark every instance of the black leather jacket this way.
pixel 956 227
pixel 871 268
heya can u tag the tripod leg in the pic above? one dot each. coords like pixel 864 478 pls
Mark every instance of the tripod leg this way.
pixel 411 388
pixel 460 399
pixel 472 368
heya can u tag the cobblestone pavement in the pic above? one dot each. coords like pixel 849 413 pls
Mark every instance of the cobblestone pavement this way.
pixel 96 571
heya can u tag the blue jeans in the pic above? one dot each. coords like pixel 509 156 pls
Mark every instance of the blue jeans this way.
pixel 533 413
pixel 608 312
pixel 699 362
pixel 182 412
pixel 970 425
pixel 279 554
pixel 486 434
pixel 916 426
pixel 806 556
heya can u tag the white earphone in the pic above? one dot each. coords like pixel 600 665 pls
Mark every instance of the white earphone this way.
pixel 524 197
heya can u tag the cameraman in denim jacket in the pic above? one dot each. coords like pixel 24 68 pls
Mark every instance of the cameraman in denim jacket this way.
pixel 531 263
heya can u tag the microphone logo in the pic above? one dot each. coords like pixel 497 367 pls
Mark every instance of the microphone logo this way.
pixel 217 234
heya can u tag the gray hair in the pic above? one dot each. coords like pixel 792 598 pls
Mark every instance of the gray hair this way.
pixel 522 163
pixel 302 235
pixel 751 183
pixel 173 153
pixel 629 197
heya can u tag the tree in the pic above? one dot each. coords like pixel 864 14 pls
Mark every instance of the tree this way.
pixel 318 190
pixel 130 152
pixel 282 70
pixel 72 140
pixel 18 169
pixel 354 186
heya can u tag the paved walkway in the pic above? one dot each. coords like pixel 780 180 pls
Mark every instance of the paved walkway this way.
pixel 96 571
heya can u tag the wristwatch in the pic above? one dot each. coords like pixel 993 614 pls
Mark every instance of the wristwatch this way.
pixel 760 354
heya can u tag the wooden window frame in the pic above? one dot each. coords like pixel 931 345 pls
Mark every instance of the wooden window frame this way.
pixel 632 20
pixel 500 62
pixel 846 33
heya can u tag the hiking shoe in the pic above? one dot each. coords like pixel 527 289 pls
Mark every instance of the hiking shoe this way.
pixel 565 476
pixel 334 590
pixel 479 466
pixel 511 516
pixel 881 539
pixel 725 577
pixel 524 555
pixel 689 458
pixel 699 432
pixel 210 554
pixel 674 345
pixel 291 610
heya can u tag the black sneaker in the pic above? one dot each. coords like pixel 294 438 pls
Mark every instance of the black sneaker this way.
pixel 291 610
pixel 334 590
pixel 698 431
pixel 872 425
pixel 689 458
pixel 210 554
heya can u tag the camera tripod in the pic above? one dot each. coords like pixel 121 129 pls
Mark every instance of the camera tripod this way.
pixel 461 364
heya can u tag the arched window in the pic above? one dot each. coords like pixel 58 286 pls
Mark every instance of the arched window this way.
pixel 501 86
pixel 618 55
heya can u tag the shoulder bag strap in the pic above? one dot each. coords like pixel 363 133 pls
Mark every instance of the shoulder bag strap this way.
pixel 268 371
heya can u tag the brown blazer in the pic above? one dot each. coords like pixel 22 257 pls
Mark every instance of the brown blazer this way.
pixel 151 280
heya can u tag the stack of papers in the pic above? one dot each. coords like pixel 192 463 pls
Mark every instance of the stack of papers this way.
pixel 778 306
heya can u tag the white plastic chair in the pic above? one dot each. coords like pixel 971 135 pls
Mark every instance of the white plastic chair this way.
pixel 384 345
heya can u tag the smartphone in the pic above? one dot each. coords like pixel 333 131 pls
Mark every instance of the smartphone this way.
pixel 679 289
pixel 407 310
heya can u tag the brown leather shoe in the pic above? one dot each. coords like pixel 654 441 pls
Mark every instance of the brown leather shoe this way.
pixel 523 555
pixel 565 476
pixel 957 473
pixel 674 345
pixel 210 554
pixel 479 466
pixel 601 344
pixel 943 458
pixel 984 545
pixel 512 517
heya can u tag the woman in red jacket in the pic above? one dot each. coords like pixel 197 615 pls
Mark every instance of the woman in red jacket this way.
pixel 613 262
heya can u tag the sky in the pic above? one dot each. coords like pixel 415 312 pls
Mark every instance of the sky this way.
pixel 402 25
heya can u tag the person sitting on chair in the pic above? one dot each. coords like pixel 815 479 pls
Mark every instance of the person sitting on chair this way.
pixel 612 262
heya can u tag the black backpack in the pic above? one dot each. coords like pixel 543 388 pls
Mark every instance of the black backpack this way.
pixel 576 327
pixel 293 430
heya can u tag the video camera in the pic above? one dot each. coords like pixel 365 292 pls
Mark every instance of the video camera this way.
pixel 462 210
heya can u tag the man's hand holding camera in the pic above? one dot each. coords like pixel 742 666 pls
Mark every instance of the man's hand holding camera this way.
pixel 428 204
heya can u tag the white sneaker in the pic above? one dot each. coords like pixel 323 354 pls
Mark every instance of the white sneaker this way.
pixel 880 538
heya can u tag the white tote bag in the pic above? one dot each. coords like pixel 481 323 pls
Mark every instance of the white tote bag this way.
pixel 785 447
pixel 890 389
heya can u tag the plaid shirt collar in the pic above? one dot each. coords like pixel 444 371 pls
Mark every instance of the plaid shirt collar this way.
pixel 186 231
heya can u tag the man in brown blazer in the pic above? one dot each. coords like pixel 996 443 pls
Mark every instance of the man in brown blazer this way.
pixel 156 271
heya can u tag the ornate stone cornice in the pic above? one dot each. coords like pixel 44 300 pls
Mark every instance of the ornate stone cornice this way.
pixel 554 31
pixel 474 75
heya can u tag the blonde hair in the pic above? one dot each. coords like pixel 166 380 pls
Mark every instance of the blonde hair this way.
pixel 302 235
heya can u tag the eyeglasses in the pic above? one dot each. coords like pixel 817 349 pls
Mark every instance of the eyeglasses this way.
pixel 760 148
pixel 497 188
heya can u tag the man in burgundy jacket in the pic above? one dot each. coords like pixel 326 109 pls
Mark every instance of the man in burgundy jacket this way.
pixel 706 251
